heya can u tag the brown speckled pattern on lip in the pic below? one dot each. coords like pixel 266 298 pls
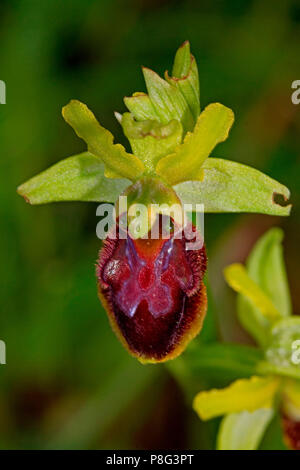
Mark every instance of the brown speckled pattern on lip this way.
pixel 154 294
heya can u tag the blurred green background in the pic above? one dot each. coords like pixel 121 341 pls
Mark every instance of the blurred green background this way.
pixel 68 383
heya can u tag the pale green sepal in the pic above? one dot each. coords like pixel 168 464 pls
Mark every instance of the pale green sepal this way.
pixel 245 430
pixel 77 178
pixel 118 163
pixel 185 163
pixel 232 187
pixel 150 140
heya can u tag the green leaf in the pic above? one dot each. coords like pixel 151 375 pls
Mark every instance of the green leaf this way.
pixel 167 100
pixel 118 163
pixel 265 266
pixel 243 431
pixel 185 163
pixel 77 178
pixel 232 187
pixel 150 140
pixel 139 104
pixel 185 78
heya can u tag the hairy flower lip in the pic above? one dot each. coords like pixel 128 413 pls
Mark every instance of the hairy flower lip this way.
pixel 153 293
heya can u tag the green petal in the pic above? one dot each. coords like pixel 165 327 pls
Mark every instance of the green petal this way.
pixel 232 187
pixel 185 163
pixel 150 140
pixel 182 61
pixel 118 163
pixel 139 104
pixel 265 266
pixel 238 279
pixel 77 178
pixel 167 100
pixel 244 394
pixel 245 430
pixel 185 78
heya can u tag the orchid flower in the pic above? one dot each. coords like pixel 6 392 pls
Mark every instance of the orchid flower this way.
pixel 153 290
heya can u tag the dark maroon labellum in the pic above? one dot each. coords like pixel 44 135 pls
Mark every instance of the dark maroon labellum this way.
pixel 153 292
